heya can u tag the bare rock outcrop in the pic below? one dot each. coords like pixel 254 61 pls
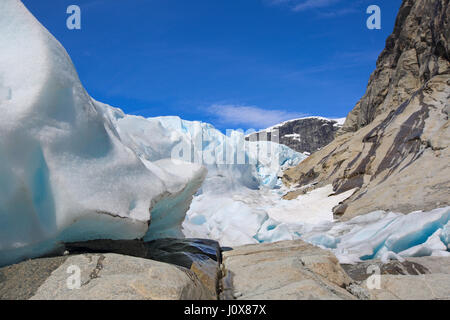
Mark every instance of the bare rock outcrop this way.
pixel 394 145
pixel 287 270
pixel 398 162
pixel 164 269
pixel 117 277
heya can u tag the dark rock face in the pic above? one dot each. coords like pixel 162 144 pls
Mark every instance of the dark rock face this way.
pixel 416 51
pixel 181 252
pixel 301 135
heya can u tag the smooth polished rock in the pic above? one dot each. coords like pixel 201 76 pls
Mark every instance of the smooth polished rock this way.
pixel 201 256
pixel 284 270
pixel 119 277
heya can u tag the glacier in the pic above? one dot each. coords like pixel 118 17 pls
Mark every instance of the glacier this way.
pixel 256 216
pixel 215 205
pixel 73 168
pixel 65 174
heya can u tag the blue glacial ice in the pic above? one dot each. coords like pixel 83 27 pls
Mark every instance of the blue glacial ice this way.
pixel 153 139
pixel 383 235
pixel 65 174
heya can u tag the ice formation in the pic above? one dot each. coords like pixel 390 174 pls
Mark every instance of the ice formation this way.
pixel 65 174
pixel 216 211
pixel 253 216
pixel 383 235
pixel 246 216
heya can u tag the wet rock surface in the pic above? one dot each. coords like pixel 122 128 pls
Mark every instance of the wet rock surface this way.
pixel 182 252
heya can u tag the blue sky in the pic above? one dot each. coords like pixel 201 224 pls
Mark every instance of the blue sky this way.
pixel 233 63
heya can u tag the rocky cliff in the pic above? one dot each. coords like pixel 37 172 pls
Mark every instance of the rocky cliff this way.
pixel 302 135
pixel 393 148
pixel 416 51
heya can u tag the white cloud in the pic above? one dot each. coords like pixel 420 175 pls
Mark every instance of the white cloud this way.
pixel 313 4
pixel 338 13
pixel 250 116
pixel 304 5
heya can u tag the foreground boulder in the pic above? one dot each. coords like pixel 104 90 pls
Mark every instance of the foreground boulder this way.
pixel 102 277
pixel 202 256
pixel 290 270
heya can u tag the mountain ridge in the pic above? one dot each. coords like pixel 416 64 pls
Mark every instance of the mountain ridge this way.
pixel 305 135
pixel 416 51
pixel 393 147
